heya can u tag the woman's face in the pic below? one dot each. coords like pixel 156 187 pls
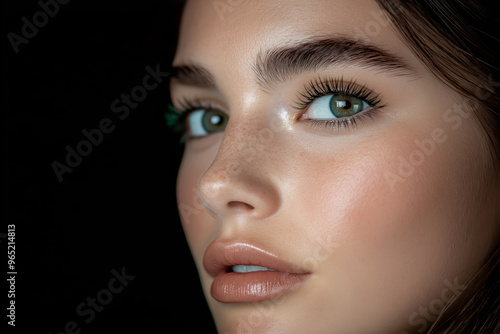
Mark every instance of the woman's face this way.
pixel 346 167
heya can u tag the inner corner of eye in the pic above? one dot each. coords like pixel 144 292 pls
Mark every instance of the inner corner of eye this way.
pixel 301 112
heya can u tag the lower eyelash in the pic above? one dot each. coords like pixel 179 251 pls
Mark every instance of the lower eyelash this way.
pixel 342 123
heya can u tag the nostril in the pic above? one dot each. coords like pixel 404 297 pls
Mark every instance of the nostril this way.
pixel 236 204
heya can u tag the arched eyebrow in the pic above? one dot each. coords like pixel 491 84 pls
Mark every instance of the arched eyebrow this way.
pixel 193 75
pixel 318 54
pixel 278 65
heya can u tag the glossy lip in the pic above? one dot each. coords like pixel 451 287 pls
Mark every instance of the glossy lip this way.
pixel 231 287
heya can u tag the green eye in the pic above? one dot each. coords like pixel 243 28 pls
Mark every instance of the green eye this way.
pixel 204 122
pixel 344 105
pixel 335 106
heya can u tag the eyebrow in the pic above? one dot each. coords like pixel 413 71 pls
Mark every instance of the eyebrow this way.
pixel 280 64
pixel 193 75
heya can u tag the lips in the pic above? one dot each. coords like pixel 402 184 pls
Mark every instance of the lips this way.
pixel 244 273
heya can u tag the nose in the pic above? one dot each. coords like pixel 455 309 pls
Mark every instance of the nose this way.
pixel 241 181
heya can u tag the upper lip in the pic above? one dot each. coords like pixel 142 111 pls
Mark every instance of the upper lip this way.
pixel 220 256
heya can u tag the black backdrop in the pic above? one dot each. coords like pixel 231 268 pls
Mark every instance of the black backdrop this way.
pixel 116 210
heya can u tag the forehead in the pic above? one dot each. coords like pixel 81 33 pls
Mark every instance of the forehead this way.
pixel 236 30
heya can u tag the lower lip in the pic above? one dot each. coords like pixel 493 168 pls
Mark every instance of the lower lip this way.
pixel 254 286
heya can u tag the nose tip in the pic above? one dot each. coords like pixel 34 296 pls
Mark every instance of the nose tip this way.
pixel 244 177
pixel 241 193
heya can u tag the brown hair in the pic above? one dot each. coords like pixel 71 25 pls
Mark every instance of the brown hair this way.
pixel 456 40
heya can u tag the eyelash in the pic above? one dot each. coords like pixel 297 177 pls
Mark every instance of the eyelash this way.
pixel 318 88
pixel 176 117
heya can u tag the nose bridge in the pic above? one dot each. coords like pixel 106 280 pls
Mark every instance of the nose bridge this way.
pixel 240 180
pixel 248 144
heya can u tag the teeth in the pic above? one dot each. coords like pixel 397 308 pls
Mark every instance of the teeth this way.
pixel 248 269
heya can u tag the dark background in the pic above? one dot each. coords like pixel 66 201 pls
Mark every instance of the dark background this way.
pixel 117 208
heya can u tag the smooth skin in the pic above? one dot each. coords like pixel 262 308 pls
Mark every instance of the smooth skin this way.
pixel 379 251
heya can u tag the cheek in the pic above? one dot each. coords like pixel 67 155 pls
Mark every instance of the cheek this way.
pixel 422 229
pixel 381 220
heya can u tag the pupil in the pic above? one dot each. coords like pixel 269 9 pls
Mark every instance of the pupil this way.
pixel 343 104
